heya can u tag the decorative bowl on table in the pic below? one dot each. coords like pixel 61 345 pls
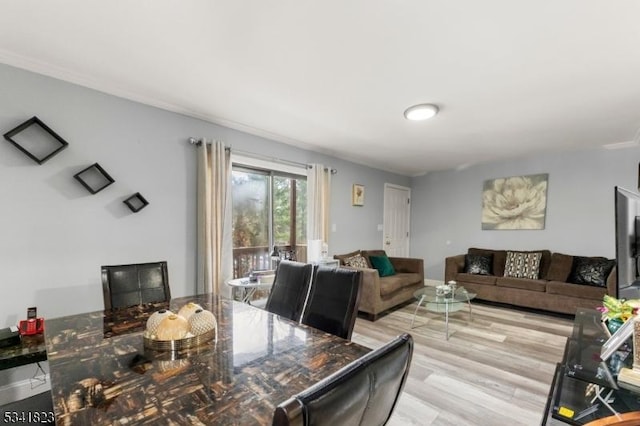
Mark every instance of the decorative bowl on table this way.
pixel 192 326
pixel 443 290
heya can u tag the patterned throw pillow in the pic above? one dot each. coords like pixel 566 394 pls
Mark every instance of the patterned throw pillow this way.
pixel 478 264
pixel 522 265
pixel 356 261
pixel 591 271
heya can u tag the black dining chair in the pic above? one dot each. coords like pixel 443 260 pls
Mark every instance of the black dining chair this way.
pixel 332 305
pixel 364 392
pixel 136 284
pixel 289 290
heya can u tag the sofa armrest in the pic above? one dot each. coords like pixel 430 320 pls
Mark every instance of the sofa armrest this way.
pixel 612 283
pixel 407 264
pixel 452 266
pixel 370 290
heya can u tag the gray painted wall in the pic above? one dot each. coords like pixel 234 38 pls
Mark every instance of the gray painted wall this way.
pixel 55 235
pixel 446 209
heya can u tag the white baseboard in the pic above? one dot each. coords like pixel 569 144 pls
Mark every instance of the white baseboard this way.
pixel 24 389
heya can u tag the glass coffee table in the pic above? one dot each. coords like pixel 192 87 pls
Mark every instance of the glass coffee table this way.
pixel 443 304
pixel 249 288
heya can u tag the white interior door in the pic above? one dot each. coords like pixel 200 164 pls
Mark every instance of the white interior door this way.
pixel 397 203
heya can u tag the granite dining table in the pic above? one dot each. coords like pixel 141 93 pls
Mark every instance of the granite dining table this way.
pixel 101 372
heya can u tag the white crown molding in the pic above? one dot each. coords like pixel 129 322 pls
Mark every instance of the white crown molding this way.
pixel 622 145
pixel 64 74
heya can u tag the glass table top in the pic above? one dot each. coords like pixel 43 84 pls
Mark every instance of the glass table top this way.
pixel 445 304
pixel 101 373
pixel 586 387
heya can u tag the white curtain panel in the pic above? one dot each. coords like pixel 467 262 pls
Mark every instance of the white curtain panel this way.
pixel 215 249
pixel 314 250
pixel 318 202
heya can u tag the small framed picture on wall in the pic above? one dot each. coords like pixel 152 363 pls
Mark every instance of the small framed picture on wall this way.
pixel 357 195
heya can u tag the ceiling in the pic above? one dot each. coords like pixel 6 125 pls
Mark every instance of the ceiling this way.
pixel 512 78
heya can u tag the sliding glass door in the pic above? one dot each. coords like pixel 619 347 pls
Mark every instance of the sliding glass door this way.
pixel 269 209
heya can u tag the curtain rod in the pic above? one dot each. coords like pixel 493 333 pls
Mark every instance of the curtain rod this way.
pixel 194 141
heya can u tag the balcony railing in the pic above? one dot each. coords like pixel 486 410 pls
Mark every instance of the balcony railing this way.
pixel 247 259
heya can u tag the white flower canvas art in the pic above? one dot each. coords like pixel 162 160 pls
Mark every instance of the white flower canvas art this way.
pixel 518 202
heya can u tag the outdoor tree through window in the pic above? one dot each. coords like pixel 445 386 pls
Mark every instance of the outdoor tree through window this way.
pixel 269 209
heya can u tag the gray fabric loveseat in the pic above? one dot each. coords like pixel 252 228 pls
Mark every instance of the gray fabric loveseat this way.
pixel 381 293
pixel 557 283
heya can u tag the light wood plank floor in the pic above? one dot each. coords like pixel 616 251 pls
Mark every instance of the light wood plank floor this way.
pixel 493 370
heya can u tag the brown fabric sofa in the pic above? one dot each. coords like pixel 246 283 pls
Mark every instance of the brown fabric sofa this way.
pixel 380 294
pixel 551 292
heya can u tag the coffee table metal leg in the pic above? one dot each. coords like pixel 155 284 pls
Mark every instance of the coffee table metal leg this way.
pixel 446 320
pixel 416 311
pixel 248 294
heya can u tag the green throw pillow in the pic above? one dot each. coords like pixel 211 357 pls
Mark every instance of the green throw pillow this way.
pixel 383 265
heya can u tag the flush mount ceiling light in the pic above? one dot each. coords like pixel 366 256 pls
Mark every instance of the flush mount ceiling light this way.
pixel 421 112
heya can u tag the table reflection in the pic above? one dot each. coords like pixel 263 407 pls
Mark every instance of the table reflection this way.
pixel 102 374
pixel 254 338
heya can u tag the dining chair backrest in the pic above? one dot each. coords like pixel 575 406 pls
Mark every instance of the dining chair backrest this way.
pixel 364 392
pixel 289 290
pixel 135 284
pixel 332 305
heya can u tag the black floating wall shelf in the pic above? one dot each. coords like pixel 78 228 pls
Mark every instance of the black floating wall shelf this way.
pixel 136 202
pixel 37 140
pixel 94 178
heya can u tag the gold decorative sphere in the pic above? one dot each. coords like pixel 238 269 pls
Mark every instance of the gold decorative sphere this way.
pixel 154 320
pixel 187 310
pixel 173 327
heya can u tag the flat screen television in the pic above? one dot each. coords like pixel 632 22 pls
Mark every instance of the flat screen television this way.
pixel 627 211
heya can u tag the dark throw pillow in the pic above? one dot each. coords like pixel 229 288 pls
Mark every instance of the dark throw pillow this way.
pixel 383 265
pixel 591 271
pixel 478 264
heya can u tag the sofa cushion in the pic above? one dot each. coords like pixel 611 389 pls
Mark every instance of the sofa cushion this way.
pixel 577 290
pixel 479 264
pixel 560 267
pixel 545 261
pixel 476 279
pixel 383 265
pixel 356 261
pixel 591 270
pixel 523 283
pixel 523 264
pixel 343 257
pixel 393 283
pixel 499 258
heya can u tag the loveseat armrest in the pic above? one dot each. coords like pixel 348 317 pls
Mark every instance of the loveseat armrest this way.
pixel 370 290
pixel 408 265
pixel 452 266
